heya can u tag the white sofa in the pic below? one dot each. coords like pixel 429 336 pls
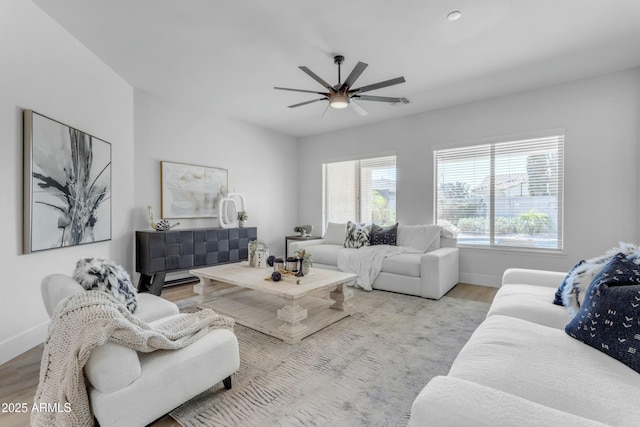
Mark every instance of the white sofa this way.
pixel 520 368
pixel 429 274
pixel 127 388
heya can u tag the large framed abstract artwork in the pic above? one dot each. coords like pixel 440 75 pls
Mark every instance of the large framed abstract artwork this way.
pixel 67 185
pixel 191 191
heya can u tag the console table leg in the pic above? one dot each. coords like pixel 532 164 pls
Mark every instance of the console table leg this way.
pixel 157 283
pixel 144 283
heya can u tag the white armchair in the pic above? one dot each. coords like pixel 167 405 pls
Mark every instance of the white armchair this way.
pixel 127 388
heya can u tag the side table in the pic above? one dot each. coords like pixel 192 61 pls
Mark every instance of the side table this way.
pixel 296 238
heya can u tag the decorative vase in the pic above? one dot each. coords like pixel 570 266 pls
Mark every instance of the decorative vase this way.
pixel 305 267
pixel 241 223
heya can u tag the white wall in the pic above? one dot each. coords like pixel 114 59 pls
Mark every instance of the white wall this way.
pixel 600 120
pixel 262 164
pixel 43 68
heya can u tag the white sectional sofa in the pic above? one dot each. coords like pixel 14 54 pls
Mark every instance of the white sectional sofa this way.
pixel 429 272
pixel 520 368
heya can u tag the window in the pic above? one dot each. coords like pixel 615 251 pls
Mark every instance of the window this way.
pixel 362 191
pixel 505 194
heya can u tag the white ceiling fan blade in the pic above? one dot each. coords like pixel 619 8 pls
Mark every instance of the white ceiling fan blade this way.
pixel 358 108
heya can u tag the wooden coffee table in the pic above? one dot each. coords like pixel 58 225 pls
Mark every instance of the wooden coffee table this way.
pixel 290 309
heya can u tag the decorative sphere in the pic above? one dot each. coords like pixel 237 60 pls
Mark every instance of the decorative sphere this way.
pixel 270 260
pixel 276 276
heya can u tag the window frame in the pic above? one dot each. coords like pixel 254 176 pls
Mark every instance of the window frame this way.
pixel 558 134
pixel 358 208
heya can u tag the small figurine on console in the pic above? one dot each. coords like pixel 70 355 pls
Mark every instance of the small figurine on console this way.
pixel 162 225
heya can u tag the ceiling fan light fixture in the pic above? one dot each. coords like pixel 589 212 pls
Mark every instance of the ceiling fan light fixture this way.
pixel 339 101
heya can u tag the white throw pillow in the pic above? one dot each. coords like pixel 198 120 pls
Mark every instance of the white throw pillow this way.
pixel 335 234
pixel 424 238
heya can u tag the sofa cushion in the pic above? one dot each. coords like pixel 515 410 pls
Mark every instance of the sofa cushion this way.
pixel 357 236
pixel 335 233
pixel 529 302
pixel 609 319
pixel 450 401
pixel 384 235
pixel 425 238
pixel 325 254
pixel 547 366
pixel 402 264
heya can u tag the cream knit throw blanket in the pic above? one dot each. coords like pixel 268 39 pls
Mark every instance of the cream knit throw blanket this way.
pixel 87 320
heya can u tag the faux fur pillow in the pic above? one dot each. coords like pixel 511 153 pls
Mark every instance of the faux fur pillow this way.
pixel 103 275
pixel 580 277
pixel 357 236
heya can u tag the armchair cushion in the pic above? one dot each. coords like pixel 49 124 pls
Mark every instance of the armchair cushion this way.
pixel 152 307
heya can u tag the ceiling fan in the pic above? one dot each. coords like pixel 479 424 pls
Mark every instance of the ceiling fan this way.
pixel 342 95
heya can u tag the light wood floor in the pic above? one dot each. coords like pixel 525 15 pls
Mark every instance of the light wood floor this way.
pixel 19 376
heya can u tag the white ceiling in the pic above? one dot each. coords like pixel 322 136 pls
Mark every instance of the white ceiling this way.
pixel 226 56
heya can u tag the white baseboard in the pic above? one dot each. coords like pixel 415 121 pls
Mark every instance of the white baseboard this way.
pixel 480 279
pixel 22 342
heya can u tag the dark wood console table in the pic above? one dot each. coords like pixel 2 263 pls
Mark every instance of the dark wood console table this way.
pixel 161 252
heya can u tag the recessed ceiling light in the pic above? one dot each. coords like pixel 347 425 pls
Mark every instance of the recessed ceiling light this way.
pixel 454 16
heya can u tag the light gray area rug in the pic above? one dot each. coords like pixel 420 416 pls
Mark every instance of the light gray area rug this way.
pixel 364 370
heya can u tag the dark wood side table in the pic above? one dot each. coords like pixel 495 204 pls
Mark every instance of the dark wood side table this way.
pixel 296 238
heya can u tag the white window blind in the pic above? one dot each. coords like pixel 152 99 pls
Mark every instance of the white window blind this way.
pixel 362 190
pixel 503 194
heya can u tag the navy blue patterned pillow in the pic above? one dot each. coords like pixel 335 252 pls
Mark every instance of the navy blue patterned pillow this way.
pixel 384 235
pixel 609 318
pixel 557 298
pixel 357 236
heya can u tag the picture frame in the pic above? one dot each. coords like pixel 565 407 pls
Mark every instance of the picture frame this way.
pixel 66 185
pixel 191 191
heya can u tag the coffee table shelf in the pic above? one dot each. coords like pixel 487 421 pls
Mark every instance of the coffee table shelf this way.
pixel 285 310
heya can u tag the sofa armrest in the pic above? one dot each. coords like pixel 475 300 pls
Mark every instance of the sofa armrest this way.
pixel 438 272
pixel 112 367
pixel 450 401
pixel 549 279
pixel 294 245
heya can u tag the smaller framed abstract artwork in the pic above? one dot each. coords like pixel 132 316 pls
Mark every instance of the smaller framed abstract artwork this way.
pixel 67 185
pixel 191 191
